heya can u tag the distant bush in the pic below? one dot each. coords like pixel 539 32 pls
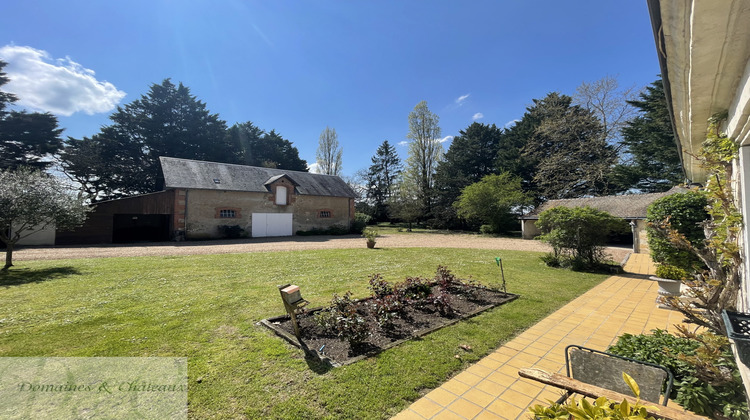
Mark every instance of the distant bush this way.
pixel 333 230
pixel 361 221
pixel 577 235
pixel 231 232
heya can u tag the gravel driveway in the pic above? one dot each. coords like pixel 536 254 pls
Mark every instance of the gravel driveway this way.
pixel 405 240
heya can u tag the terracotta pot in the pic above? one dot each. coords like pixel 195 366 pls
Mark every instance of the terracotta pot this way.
pixel 371 244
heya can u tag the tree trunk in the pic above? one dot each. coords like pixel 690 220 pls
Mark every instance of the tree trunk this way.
pixel 8 256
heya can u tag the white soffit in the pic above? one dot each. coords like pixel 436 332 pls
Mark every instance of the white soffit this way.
pixel 707 48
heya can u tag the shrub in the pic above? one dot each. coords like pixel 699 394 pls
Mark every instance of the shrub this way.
pixel 387 309
pixel 685 213
pixel 231 232
pixel 333 230
pixel 361 221
pixel 449 282
pixel 486 230
pixel 706 380
pixel 442 302
pixel 601 408
pixel 343 320
pixel 671 272
pixel 413 290
pixel 379 287
pixel 577 234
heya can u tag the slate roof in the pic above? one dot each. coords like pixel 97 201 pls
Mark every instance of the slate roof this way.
pixel 632 206
pixel 195 174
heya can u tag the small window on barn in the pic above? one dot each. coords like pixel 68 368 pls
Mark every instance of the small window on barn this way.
pixel 324 214
pixel 281 196
pixel 227 214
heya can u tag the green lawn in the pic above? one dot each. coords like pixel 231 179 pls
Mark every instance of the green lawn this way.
pixel 206 308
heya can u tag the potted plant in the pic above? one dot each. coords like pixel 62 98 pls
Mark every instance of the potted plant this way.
pixel 670 280
pixel 370 235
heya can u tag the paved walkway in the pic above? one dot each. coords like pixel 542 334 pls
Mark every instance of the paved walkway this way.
pixel 491 388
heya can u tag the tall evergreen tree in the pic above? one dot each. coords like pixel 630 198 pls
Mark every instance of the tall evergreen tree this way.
pixel 167 121
pixel 651 162
pixel 381 179
pixel 569 152
pixel 471 156
pixel 254 147
pixel 26 138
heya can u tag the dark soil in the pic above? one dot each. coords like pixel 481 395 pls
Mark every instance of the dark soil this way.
pixel 415 321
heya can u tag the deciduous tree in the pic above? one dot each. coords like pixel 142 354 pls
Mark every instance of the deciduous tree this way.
pixel 496 200
pixel 608 102
pixel 329 152
pixel 425 151
pixel 30 201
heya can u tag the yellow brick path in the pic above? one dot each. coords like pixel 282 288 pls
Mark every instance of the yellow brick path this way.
pixel 491 388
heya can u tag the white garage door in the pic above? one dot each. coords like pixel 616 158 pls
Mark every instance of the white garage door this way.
pixel 272 224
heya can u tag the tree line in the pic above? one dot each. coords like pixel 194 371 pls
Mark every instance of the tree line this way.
pixel 603 140
pixel 122 158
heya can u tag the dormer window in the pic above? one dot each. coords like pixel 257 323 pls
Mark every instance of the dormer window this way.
pixel 217 181
pixel 281 195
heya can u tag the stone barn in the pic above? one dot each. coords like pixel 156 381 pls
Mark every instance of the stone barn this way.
pixel 199 197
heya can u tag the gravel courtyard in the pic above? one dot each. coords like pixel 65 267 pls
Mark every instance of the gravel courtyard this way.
pixel 403 240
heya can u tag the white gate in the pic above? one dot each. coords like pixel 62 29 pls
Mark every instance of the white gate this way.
pixel 272 224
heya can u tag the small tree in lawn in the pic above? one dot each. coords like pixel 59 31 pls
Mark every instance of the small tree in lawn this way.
pixel 34 200
pixel 494 201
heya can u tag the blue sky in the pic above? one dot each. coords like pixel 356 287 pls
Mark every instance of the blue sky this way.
pixel 299 66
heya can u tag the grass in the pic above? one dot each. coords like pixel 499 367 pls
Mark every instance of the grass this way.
pixel 401 229
pixel 206 308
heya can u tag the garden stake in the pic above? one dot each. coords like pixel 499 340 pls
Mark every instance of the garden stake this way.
pixel 499 262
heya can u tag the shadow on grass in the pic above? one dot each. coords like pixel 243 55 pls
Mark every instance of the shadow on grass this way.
pixel 17 277
pixel 314 363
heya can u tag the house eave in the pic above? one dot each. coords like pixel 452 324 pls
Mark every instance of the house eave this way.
pixel 703 53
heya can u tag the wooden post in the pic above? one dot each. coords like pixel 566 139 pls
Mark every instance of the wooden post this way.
pixel 291 292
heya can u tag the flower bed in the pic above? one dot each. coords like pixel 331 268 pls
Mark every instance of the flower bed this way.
pixel 350 330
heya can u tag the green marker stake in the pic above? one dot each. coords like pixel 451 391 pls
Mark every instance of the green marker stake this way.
pixel 499 262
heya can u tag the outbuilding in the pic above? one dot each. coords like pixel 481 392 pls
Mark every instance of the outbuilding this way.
pixel 202 200
pixel 630 207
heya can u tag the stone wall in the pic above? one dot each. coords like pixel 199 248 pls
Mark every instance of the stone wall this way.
pixel 203 211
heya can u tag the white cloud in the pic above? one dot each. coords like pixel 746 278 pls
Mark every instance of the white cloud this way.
pixel 446 138
pixel 403 143
pixel 314 168
pixel 511 123
pixel 477 116
pixel 60 86
pixel 462 98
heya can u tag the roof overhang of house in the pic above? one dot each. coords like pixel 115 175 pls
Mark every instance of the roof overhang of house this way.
pixel 273 179
pixel 704 53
